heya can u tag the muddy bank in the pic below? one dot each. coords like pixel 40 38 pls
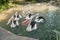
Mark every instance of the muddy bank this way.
pixel 23 9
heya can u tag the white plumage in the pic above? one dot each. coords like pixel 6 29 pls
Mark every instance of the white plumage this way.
pixel 33 24
pixel 13 21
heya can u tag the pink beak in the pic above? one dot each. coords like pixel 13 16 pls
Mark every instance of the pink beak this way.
pixel 25 22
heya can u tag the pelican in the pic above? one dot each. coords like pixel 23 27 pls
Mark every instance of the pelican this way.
pixel 28 18
pixel 17 16
pixel 33 24
pixel 13 21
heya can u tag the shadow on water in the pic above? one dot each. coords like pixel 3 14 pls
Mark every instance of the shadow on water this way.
pixel 44 31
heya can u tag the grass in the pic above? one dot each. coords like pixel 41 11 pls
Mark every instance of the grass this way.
pixel 6 6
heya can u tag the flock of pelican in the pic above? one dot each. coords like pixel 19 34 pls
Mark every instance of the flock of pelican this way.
pixel 30 20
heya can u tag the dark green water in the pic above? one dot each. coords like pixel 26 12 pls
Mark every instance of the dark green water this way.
pixel 44 31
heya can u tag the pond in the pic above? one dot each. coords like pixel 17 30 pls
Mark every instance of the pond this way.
pixel 44 31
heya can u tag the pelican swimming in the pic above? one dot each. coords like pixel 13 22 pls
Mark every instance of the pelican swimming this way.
pixel 17 16
pixel 13 21
pixel 28 18
pixel 33 24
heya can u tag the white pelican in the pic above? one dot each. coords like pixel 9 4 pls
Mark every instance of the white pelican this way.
pixel 33 24
pixel 28 18
pixel 17 16
pixel 13 21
